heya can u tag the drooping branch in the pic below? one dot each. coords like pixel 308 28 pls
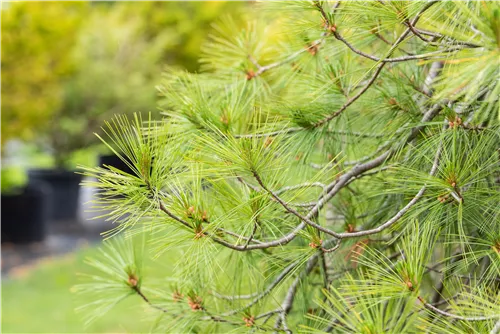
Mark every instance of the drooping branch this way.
pixel 173 216
pixel 307 220
pixel 417 33
pixel 401 212
pixel 146 299
pixel 396 59
pixel 420 32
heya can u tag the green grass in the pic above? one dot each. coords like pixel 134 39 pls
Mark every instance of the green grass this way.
pixel 39 300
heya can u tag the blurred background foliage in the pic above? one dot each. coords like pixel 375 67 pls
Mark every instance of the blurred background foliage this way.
pixel 37 39
pixel 67 66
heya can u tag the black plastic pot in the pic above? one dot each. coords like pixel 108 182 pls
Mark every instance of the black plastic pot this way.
pixel 25 214
pixel 114 161
pixel 65 188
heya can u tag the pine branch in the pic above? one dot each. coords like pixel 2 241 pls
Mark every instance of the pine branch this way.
pixel 248 239
pixel 333 189
pixel 262 69
pixel 286 306
pixel 300 186
pixel 291 210
pixel 297 129
pixel 173 216
pixel 419 32
pixel 352 99
pixel 218 240
pixel 416 33
pixel 204 110
pixel 255 225
pixel 396 59
pixel 287 303
pixel 266 291
pixel 141 294
pixel 454 316
pixel 401 212
pixel 377 71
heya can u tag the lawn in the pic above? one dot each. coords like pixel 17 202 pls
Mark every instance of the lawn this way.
pixel 39 300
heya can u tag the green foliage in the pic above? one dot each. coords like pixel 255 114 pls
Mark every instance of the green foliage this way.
pixel 340 176
pixel 37 41
pixel 62 80
pixel 12 178
pixel 120 272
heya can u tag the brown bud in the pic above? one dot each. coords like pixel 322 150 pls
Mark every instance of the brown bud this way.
pixel 250 74
pixel 393 101
pixel 195 303
pixel 312 49
pixel 332 28
pixel 190 211
pixel 313 244
pixel 133 280
pixel 249 321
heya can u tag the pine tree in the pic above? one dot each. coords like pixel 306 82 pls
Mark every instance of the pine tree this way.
pixel 333 168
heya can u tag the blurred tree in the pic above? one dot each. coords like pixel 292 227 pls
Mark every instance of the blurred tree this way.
pixel 187 22
pixel 60 81
pixel 116 74
pixel 37 42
